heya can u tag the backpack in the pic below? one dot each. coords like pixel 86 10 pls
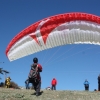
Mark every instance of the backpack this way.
pixel 33 72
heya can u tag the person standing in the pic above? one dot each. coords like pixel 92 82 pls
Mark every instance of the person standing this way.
pixel 27 84
pixel 53 83
pixel 99 82
pixel 36 68
pixel 7 82
pixel 86 85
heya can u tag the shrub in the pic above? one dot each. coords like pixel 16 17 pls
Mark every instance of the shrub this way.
pixel 14 85
pixel 2 84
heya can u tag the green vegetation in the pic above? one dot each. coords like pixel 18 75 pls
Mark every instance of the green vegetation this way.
pixel 23 94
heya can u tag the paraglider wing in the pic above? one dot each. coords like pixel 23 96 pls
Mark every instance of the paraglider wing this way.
pixel 62 29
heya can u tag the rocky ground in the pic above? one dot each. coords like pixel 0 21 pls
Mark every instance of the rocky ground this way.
pixel 22 94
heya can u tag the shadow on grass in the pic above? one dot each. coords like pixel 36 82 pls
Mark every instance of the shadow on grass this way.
pixel 40 93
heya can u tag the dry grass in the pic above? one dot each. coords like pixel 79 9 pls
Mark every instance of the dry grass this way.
pixel 17 94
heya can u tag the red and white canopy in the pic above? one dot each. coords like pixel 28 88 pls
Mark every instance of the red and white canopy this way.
pixel 68 28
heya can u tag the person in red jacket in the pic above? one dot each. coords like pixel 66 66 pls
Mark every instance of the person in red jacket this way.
pixel 53 83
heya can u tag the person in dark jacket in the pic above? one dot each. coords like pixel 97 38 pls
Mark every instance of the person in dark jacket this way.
pixel 86 85
pixel 53 83
pixel 99 82
pixel 37 83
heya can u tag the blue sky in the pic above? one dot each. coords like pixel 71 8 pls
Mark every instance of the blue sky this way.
pixel 69 64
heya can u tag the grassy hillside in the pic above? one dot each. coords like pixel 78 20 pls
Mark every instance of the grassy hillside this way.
pixel 16 94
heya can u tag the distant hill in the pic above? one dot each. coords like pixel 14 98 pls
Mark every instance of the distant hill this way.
pixel 23 94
